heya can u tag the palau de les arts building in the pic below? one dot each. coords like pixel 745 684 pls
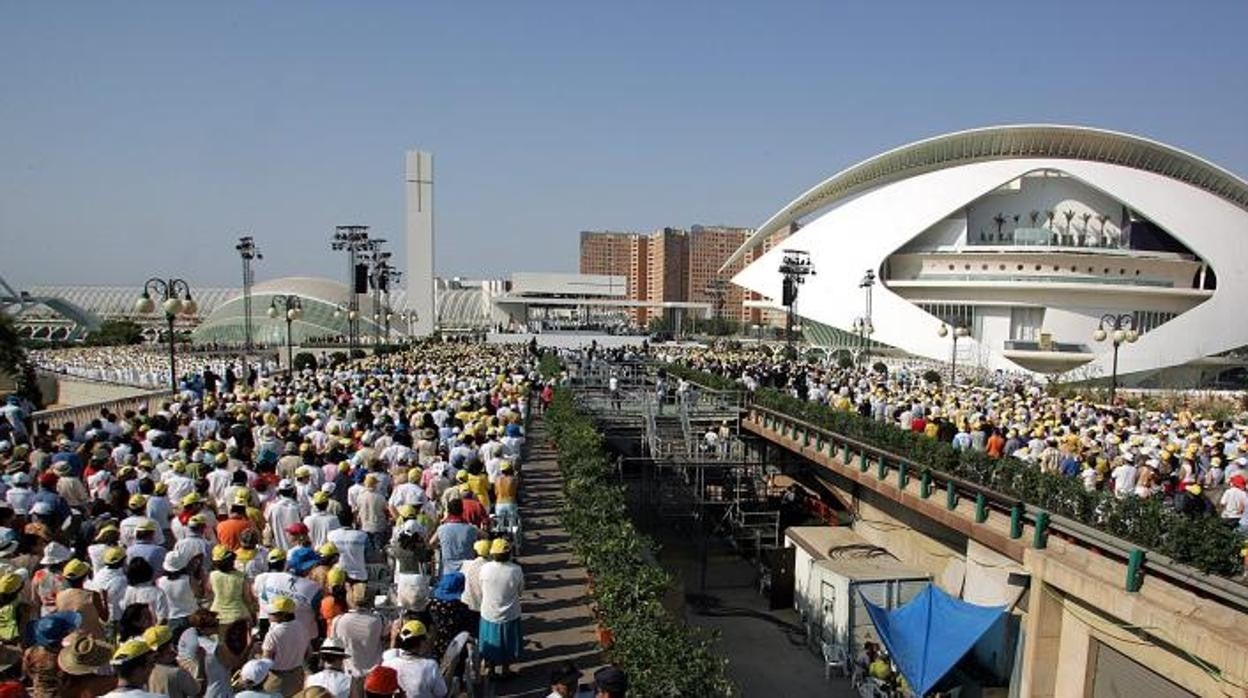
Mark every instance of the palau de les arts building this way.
pixel 1027 236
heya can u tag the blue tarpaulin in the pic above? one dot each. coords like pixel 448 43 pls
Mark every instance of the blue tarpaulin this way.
pixel 927 636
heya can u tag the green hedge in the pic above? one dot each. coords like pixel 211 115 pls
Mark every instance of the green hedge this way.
pixel 549 366
pixel 1205 543
pixel 662 656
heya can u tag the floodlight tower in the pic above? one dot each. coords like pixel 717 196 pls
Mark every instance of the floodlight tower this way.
pixel 795 266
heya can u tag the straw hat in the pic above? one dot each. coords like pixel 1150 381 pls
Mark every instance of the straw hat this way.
pixel 83 654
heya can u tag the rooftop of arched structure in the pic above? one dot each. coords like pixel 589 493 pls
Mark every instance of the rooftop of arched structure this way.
pixel 1002 143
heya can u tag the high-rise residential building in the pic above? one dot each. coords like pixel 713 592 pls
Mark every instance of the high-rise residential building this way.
pixel 709 247
pixel 669 265
pixel 619 254
pixel 669 260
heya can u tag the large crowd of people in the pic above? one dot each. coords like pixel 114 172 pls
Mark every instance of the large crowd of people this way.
pixel 1195 463
pixel 335 532
pixel 147 366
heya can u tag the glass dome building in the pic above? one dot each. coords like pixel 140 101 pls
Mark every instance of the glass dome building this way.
pixel 320 298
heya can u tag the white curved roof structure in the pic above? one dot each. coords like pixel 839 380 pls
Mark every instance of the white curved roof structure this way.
pixel 1034 231
pixel 1006 142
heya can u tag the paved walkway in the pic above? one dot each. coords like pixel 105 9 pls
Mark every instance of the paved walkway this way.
pixel 558 624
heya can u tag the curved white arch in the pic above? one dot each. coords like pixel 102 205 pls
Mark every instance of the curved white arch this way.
pixel 1209 222
pixel 1015 142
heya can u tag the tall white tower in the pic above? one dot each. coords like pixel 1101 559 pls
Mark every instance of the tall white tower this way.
pixel 420 283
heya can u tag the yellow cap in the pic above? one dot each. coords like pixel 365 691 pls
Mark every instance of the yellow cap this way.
pixel 10 583
pixel 246 554
pixel 220 552
pixel 413 475
pixel 130 649
pixel 481 547
pixel 241 497
pixel 282 604
pixel 370 480
pixel 157 635
pixel 76 569
pixel 146 526
pixel 105 530
pixel 197 520
pixel 337 577
pixel 320 497
pixel 114 555
pixel 303 471
pixel 411 629
pixel 327 550
pixel 160 489
pixel 277 555
pixel 407 511
pixel 220 458
pixel 138 501
pixel 499 546
pixel 192 498
pixel 462 476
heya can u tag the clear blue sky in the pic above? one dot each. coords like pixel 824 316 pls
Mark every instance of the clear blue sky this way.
pixel 143 137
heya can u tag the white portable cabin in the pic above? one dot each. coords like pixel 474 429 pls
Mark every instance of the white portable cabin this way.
pixel 834 569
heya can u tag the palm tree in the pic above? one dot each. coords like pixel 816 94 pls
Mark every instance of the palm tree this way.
pixel 1035 218
pixel 999 219
pixel 1069 214
pixel 1085 216
pixel 1102 218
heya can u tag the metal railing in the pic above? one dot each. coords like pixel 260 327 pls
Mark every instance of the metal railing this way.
pixel 955 489
pixel 83 414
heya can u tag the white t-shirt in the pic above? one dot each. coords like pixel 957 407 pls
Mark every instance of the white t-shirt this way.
pixel 501 585
pixel 1234 502
pixel 319 524
pixel 418 677
pixel 133 693
pixel 336 682
pixel 361 635
pixel 150 595
pixel 351 545
pixel 1124 479
pixel 182 601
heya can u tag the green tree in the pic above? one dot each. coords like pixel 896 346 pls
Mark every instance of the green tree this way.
pixel 15 363
pixel 304 360
pixel 113 333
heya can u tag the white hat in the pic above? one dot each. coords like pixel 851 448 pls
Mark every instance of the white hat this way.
pixel 41 509
pixel 411 527
pixel 255 671
pixel 175 562
pixel 285 484
pixel 55 553
pixel 329 487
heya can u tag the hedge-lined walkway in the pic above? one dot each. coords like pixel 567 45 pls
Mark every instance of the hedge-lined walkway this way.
pixel 558 624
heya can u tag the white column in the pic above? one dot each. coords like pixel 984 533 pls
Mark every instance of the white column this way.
pixel 419 275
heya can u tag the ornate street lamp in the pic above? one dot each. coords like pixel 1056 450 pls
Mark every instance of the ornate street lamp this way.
pixel 1119 329
pixel 293 307
pixel 959 332
pixel 175 295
